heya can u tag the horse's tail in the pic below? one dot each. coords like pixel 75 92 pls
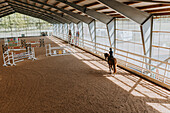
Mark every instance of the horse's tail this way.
pixel 115 65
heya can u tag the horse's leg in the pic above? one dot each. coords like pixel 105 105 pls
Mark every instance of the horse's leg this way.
pixel 113 68
pixel 110 68
pixel 115 65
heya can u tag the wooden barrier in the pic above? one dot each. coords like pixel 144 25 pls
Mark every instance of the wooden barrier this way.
pixel 40 43
pixel 11 57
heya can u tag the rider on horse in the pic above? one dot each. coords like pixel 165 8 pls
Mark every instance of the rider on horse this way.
pixel 110 54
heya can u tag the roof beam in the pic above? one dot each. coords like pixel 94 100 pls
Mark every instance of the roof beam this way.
pixel 132 13
pixel 159 10
pixel 91 4
pixel 5 9
pixel 75 15
pixel 130 3
pixel 36 16
pixel 4 6
pixel 153 1
pixel 99 16
pixel 32 9
pixel 62 17
pixel 78 1
pixel 152 6
pixel 8 13
pixel 3 2
pixel 46 1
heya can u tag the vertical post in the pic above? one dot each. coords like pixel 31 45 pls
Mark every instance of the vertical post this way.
pixel 46 47
pixel 4 58
pixel 62 31
pixel 13 60
pixel 146 33
pixel 92 30
pixel 66 31
pixel 72 31
pixel 49 49
pixel 80 29
pixel 57 30
pixel 111 30
pixel 9 63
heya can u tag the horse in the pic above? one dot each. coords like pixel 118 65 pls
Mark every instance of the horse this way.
pixel 112 62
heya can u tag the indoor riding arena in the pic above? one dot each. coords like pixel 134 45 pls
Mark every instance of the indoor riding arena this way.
pixel 85 56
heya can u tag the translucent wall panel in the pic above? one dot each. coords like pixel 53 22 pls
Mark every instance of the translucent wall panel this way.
pixel 129 42
pixel 17 25
pixel 161 39
pixel 87 36
pixel 102 36
pixel 128 36
pixel 161 44
pixel 86 33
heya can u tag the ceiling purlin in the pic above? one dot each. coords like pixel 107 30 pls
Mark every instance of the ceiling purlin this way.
pixel 35 3
pixel 2 2
pixel 28 1
pixel 33 6
pixel 130 3
pixel 152 6
pixel 34 10
pixel 65 6
pixel 37 16
pixel 7 13
pixel 78 1
pixel 54 6
pixel 75 15
pixel 29 5
pixel 100 8
pixel 6 9
pixel 46 1
pixel 159 10
pixel 66 18
pixel 91 4
pixel 160 6
pixel 153 1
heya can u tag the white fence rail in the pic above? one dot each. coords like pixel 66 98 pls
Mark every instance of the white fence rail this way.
pixel 158 69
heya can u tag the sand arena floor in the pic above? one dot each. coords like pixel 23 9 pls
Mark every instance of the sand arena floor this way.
pixel 77 83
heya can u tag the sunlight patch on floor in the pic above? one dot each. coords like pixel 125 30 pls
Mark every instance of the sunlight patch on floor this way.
pixel 159 107
pixel 129 82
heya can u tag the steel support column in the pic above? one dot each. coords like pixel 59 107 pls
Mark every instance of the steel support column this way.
pixel 66 31
pixel 58 30
pixel 146 33
pixel 92 30
pixel 72 31
pixel 128 11
pixel 55 29
pixel 111 30
pixel 80 29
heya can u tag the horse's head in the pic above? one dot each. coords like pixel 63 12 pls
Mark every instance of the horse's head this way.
pixel 106 55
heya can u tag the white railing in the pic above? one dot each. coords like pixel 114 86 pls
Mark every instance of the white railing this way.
pixel 157 69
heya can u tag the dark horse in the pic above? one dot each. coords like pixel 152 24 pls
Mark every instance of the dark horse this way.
pixel 112 62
